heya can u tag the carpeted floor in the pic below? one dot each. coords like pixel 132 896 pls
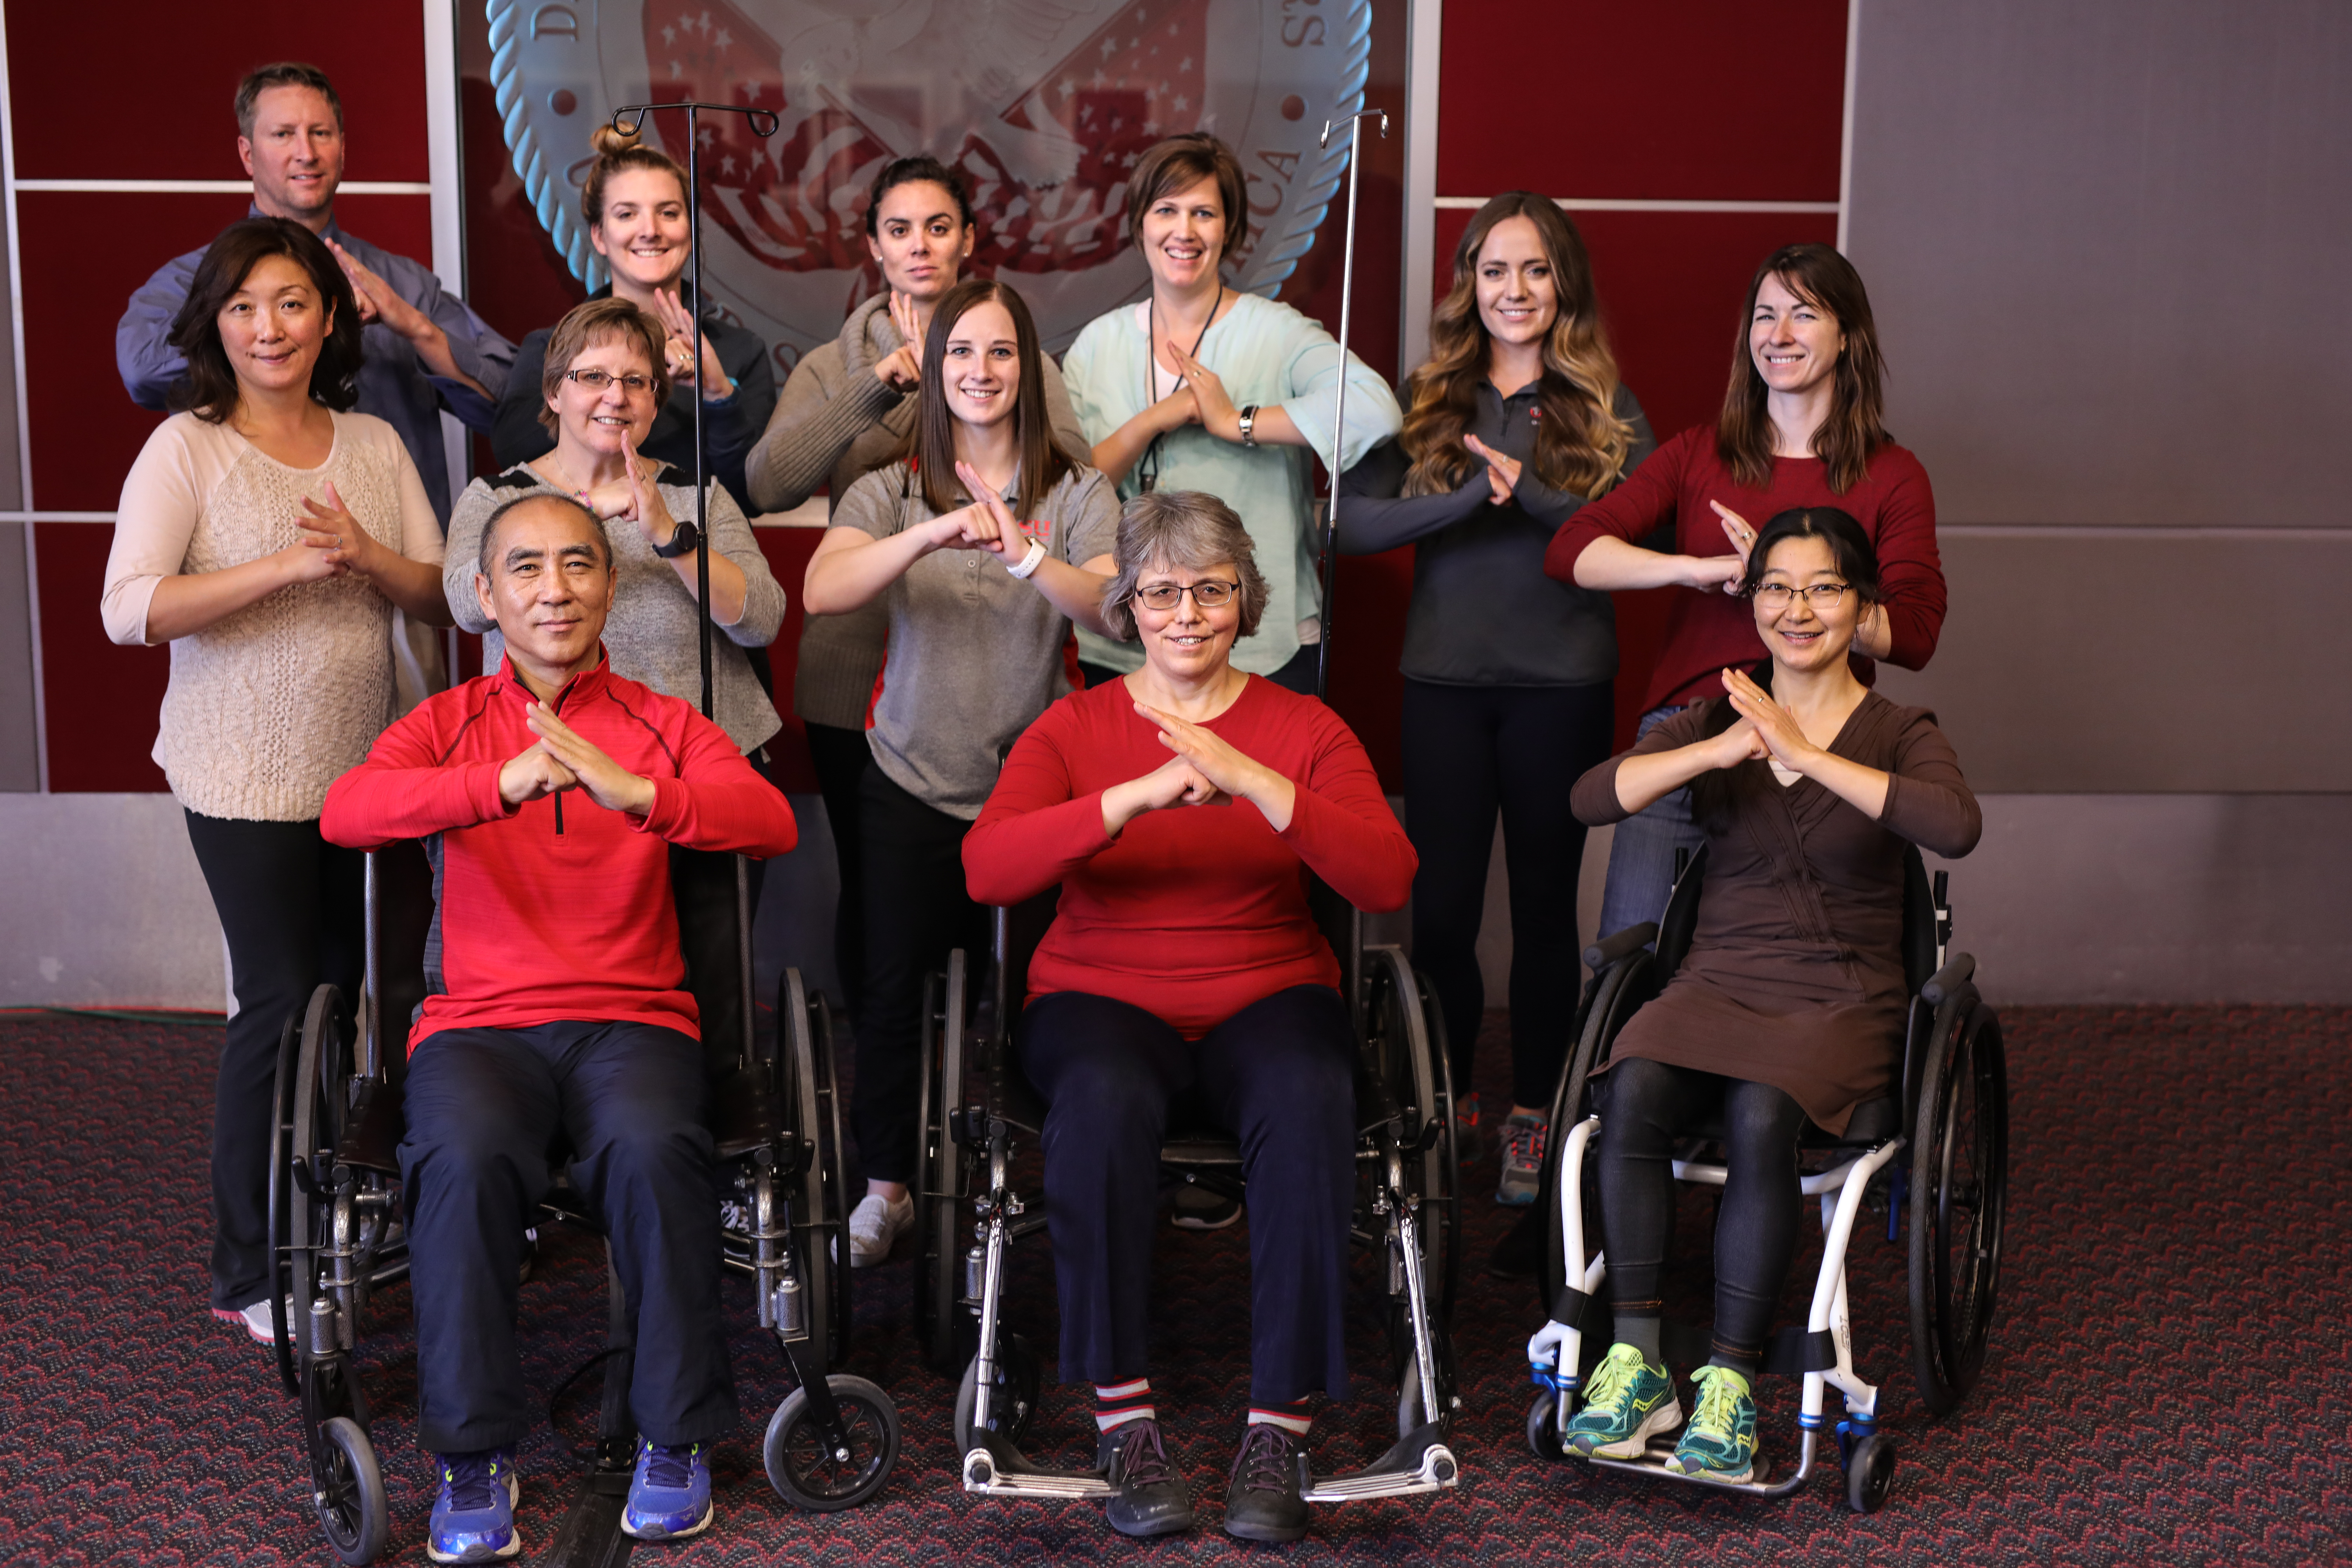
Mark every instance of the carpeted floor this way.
pixel 2168 1383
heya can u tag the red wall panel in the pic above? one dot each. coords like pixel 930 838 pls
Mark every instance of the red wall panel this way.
pixel 1689 100
pixel 102 699
pixel 179 65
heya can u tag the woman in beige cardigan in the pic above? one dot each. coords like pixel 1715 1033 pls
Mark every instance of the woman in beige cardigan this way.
pixel 268 534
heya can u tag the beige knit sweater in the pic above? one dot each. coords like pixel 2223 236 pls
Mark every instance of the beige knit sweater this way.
pixel 269 706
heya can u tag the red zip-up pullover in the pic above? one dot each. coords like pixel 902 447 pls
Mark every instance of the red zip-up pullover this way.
pixel 558 909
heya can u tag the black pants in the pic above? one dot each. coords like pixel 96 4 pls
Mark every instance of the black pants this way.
pixel 841 759
pixel 1755 1231
pixel 917 911
pixel 484 1107
pixel 293 907
pixel 1280 1076
pixel 1298 673
pixel 1469 751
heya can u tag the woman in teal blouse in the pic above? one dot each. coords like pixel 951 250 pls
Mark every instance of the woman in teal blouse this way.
pixel 1201 387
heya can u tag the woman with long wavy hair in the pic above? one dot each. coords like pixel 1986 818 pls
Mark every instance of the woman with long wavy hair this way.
pixel 1515 423
pixel 1802 427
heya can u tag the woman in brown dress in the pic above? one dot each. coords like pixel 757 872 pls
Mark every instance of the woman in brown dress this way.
pixel 1790 1006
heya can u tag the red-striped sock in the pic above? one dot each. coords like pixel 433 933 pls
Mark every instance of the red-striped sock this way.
pixel 1116 1403
pixel 1292 1418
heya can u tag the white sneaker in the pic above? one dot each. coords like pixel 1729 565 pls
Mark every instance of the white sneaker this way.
pixel 874 1226
pixel 255 1319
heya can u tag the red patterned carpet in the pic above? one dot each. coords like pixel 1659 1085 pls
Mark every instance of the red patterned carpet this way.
pixel 2168 1380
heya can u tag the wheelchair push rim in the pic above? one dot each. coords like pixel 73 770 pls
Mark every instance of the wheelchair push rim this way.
pixel 1958 1199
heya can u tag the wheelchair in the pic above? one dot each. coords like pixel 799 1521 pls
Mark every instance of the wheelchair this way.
pixel 1406 1211
pixel 1936 1153
pixel 334 1215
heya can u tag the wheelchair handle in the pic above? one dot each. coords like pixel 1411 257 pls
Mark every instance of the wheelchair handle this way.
pixel 1949 979
pixel 1624 945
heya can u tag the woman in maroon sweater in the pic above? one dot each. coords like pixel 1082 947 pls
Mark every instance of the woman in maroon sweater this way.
pixel 1800 427
pixel 1180 809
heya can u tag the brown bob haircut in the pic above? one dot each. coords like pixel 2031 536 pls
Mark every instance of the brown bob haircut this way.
pixel 209 390
pixel 1818 275
pixel 932 442
pixel 1180 162
pixel 601 321
pixel 1179 531
pixel 285 73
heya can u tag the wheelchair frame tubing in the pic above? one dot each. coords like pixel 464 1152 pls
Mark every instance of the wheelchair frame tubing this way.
pixel 1000 1204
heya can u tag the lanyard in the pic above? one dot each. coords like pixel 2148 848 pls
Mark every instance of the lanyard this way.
pixel 1147 470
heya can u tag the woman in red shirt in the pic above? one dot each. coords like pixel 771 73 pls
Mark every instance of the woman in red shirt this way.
pixel 1800 427
pixel 1181 808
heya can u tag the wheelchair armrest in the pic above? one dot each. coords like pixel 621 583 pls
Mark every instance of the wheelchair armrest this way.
pixel 1624 945
pixel 1957 972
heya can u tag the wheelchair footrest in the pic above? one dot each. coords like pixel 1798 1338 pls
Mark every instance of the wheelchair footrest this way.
pixel 1419 1463
pixel 1760 1482
pixel 997 1468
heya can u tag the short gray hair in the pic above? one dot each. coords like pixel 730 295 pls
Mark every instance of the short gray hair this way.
pixel 1179 530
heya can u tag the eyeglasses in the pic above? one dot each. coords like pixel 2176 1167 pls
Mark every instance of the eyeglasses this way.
pixel 1209 596
pixel 596 381
pixel 1821 595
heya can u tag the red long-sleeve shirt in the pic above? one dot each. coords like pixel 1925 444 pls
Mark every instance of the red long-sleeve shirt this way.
pixel 557 910
pixel 1194 912
pixel 1705 632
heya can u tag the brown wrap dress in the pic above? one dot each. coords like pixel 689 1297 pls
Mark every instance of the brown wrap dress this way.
pixel 1795 973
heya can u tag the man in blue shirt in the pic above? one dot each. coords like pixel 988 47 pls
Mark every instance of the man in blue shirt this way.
pixel 425 350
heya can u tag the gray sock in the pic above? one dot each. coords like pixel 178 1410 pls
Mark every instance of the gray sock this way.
pixel 1644 1334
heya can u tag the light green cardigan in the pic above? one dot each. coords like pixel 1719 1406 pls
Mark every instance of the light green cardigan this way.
pixel 1265 354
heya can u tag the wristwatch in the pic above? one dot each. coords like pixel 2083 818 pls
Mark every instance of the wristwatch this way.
pixel 1030 561
pixel 1249 425
pixel 682 542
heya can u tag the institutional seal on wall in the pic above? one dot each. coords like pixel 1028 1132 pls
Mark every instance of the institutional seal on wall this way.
pixel 1045 105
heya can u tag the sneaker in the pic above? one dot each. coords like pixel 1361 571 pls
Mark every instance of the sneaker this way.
pixel 1198 1208
pixel 874 1226
pixel 1523 1153
pixel 1720 1443
pixel 1262 1502
pixel 1466 1128
pixel 1152 1498
pixel 473 1517
pixel 669 1495
pixel 254 1319
pixel 1625 1404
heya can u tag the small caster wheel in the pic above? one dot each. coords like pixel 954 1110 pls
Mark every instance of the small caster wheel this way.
pixel 1543 1428
pixel 351 1500
pixel 1870 1472
pixel 1010 1404
pixel 806 1470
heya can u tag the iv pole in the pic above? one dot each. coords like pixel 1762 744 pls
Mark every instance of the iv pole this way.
pixel 1355 123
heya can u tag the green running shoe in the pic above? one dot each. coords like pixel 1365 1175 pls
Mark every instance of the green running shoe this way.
pixel 1719 1444
pixel 1627 1401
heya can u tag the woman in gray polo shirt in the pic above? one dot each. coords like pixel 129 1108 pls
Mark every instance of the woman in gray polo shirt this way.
pixel 985 543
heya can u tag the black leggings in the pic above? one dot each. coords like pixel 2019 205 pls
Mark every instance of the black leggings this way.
pixel 1755 1231
pixel 1469 752
pixel 293 908
pixel 841 757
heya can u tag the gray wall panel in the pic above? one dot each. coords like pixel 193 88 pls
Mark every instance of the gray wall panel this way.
pixel 20 765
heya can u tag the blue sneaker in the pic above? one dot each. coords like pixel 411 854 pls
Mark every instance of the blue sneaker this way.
pixel 473 1517
pixel 1719 1444
pixel 1627 1402
pixel 669 1497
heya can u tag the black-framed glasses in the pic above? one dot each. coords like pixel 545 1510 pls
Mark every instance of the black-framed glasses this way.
pixel 1209 594
pixel 596 381
pixel 1821 595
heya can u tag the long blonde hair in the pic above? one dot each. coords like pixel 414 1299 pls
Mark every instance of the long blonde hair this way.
pixel 1581 445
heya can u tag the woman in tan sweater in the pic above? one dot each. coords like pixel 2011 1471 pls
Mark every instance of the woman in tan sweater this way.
pixel 1789 1008
pixel 268 534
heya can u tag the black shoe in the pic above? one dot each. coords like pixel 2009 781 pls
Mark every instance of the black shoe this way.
pixel 1151 1498
pixel 1263 1502
pixel 1519 1255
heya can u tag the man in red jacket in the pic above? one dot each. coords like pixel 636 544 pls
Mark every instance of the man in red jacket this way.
pixel 549 794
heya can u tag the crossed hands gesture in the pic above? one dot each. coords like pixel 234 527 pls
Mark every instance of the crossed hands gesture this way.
pixel 333 544
pixel 633 497
pixel 902 368
pixel 1763 731
pixel 560 760
pixel 1502 471
pixel 988 523
pixel 692 361
pixel 1205 771
pixel 378 300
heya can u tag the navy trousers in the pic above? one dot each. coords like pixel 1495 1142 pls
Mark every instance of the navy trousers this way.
pixel 1280 1076
pixel 484 1107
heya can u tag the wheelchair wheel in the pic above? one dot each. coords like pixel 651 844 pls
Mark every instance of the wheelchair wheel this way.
pixel 1543 1429
pixel 1870 1472
pixel 814 1196
pixel 350 1502
pixel 808 1475
pixel 322 1076
pixel 1410 1055
pixel 283 1094
pixel 1959 1185
pixel 943 1327
pixel 1012 1401
pixel 1617 991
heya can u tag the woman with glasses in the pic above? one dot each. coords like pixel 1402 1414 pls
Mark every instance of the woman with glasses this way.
pixel 1800 427
pixel 603 378
pixel 985 540
pixel 1180 809
pixel 1788 1010
pixel 633 203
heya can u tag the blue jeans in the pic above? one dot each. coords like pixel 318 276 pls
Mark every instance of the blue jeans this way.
pixel 1642 855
